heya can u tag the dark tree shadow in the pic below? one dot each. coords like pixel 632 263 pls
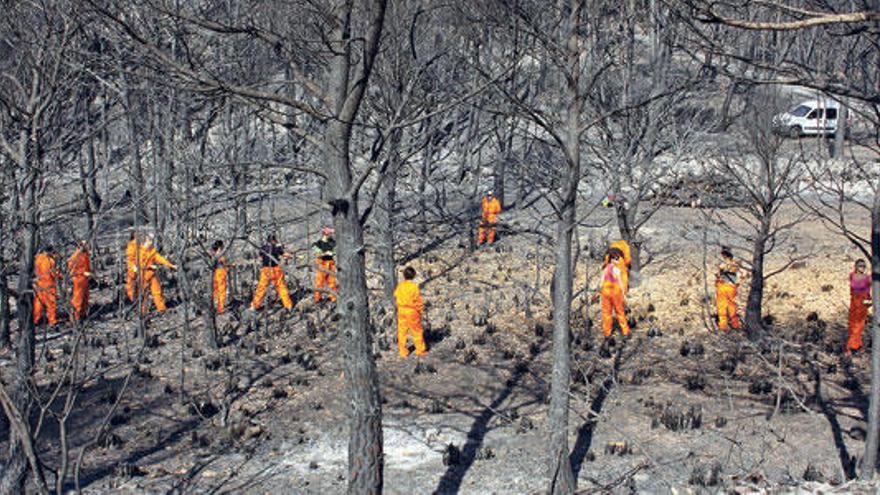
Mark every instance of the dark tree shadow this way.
pixel 585 432
pixel 847 462
pixel 451 480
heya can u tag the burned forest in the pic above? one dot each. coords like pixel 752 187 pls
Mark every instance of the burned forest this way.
pixel 417 247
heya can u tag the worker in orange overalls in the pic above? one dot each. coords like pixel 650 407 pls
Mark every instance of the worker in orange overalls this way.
pixel 131 265
pixel 491 208
pixel 613 289
pixel 726 285
pixel 148 261
pixel 859 300
pixel 46 278
pixel 221 270
pixel 79 267
pixel 409 314
pixel 271 255
pixel 325 259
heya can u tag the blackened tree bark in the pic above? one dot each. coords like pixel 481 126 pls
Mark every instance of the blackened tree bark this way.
pixel 15 473
pixel 385 224
pixel 755 303
pixel 5 316
pixel 347 85
pixel 88 174
pixel 872 442
pixel 561 479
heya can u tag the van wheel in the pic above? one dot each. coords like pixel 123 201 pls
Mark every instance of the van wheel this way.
pixel 795 131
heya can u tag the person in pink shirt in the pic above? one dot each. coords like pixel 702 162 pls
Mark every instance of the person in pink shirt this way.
pixel 859 300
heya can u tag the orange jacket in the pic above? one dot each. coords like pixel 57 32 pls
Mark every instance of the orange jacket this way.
pixel 409 299
pixel 131 254
pixel 150 258
pixel 491 208
pixel 79 264
pixel 45 270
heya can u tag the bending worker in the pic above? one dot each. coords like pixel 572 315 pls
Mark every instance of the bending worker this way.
pixel 271 255
pixel 46 278
pixel 325 259
pixel 221 270
pixel 726 284
pixel 79 266
pixel 491 208
pixel 859 300
pixel 409 314
pixel 149 260
pixel 131 265
pixel 613 290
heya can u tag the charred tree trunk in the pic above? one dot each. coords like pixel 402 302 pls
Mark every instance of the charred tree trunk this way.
pixel 629 233
pixel 754 305
pixel 15 472
pixel 501 170
pixel 136 171
pixel 872 442
pixel 5 316
pixel 840 133
pixel 562 479
pixel 384 221
pixel 88 173
pixel 346 89
pixel 724 118
pixel 424 176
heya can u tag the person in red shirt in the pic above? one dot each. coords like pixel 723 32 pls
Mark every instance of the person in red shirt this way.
pixel 859 300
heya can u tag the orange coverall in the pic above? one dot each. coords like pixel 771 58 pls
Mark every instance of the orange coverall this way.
pixel 275 275
pixel 131 260
pixel 325 278
pixel 45 290
pixel 614 286
pixel 149 258
pixel 725 300
pixel 491 209
pixel 858 313
pixel 409 317
pixel 78 266
pixel 220 285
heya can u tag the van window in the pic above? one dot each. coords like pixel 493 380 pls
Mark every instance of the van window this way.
pixel 800 110
pixel 817 113
pixel 831 113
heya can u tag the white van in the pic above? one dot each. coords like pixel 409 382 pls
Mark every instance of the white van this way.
pixel 809 118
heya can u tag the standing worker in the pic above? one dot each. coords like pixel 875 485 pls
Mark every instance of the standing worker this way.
pixel 325 259
pixel 149 259
pixel 409 314
pixel 46 278
pixel 79 266
pixel 131 265
pixel 859 300
pixel 271 255
pixel 726 284
pixel 491 208
pixel 613 290
pixel 221 270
